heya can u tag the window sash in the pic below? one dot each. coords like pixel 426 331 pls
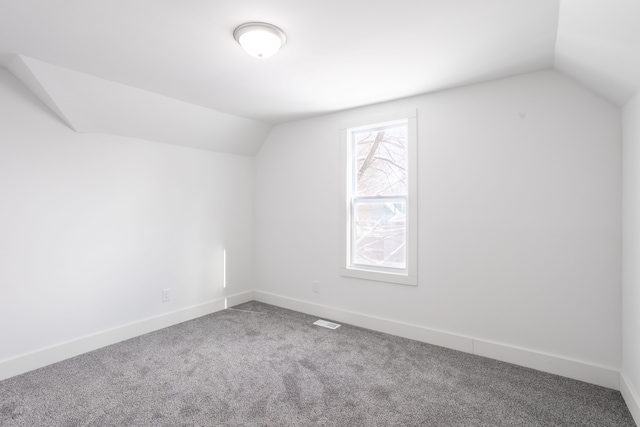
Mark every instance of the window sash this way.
pixel 401 252
pixel 407 276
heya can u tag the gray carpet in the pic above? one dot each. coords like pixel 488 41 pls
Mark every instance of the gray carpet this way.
pixel 266 366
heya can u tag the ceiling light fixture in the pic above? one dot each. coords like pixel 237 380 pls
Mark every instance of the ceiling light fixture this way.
pixel 259 39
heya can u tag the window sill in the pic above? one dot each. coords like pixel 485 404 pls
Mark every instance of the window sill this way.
pixel 379 276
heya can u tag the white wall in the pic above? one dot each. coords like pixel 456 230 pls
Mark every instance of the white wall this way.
pixel 93 227
pixel 631 255
pixel 519 218
pixel 519 233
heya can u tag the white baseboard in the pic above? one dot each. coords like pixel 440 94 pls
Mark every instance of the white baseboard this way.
pixel 405 330
pixel 578 370
pixel 47 356
pixel 557 365
pixel 570 368
pixel 238 299
pixel 631 397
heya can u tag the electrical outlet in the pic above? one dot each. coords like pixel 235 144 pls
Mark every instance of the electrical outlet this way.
pixel 315 287
pixel 166 295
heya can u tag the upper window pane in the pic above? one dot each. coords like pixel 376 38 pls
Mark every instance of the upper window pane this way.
pixel 380 157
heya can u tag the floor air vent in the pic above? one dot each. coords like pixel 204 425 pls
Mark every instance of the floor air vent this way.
pixel 326 324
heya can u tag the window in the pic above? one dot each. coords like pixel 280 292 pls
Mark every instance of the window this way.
pixel 379 188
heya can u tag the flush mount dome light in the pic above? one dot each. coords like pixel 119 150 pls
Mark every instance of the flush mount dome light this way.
pixel 259 39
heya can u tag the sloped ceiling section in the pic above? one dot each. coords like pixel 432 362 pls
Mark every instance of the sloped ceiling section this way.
pixel 598 44
pixel 339 54
pixel 20 69
pixel 170 71
pixel 93 105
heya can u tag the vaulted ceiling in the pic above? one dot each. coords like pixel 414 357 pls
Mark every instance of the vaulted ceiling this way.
pixel 170 70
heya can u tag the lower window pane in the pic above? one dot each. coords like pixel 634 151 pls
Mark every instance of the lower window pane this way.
pixel 380 234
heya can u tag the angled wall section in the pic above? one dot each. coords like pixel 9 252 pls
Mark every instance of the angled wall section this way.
pixel 22 71
pixel 88 104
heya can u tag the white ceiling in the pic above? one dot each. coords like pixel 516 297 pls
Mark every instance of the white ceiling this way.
pixel 339 54
pixel 599 45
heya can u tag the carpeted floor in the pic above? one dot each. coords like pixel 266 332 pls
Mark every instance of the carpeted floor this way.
pixel 259 365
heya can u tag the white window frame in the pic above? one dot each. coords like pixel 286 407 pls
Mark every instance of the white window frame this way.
pixel 409 275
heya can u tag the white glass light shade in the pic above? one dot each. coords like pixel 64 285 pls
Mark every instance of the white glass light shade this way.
pixel 259 39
